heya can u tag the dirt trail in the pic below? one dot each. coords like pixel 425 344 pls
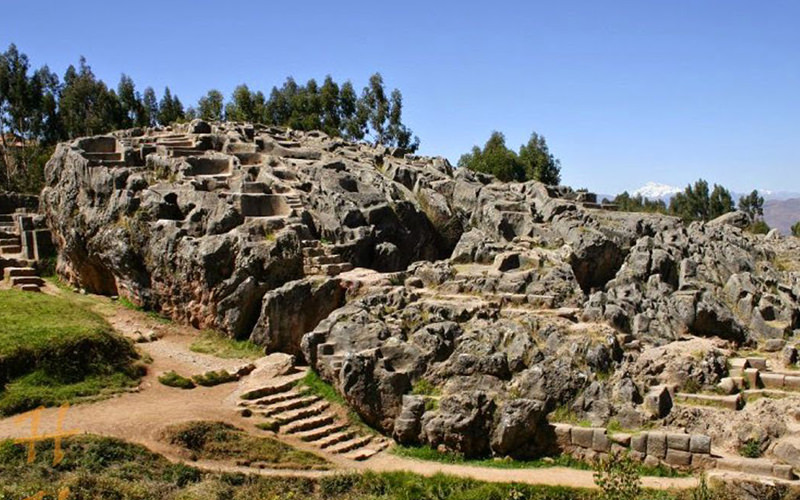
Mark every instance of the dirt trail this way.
pixel 141 417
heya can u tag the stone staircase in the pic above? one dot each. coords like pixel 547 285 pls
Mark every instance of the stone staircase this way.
pixel 21 275
pixel 293 413
pixel 321 259
pixel 752 375
pixel 178 145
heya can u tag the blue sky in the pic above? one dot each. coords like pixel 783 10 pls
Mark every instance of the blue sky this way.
pixel 624 91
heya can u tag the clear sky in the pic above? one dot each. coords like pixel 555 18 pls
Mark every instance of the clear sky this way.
pixel 624 91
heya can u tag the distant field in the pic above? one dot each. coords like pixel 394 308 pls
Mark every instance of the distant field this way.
pixel 55 350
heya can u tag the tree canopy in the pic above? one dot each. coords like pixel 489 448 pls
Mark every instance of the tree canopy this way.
pixel 533 161
pixel 37 110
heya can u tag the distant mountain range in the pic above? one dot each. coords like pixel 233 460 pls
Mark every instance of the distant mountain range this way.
pixel 781 208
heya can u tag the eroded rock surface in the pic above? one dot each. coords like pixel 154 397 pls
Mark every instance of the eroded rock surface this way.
pixel 490 309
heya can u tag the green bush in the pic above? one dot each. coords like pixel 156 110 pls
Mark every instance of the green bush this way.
pixel 212 378
pixel 172 379
pixel 618 477
pixel 750 449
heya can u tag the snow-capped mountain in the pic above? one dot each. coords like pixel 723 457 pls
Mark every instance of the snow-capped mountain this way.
pixel 655 190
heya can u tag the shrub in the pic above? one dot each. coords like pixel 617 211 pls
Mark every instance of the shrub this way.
pixel 172 379
pixel 213 378
pixel 750 449
pixel 618 477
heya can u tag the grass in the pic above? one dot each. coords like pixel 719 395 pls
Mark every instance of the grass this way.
pixel 312 384
pixel 429 454
pixel 98 467
pixel 221 441
pixel 750 449
pixel 54 349
pixel 216 344
pixel 172 379
pixel 212 378
pixel 127 304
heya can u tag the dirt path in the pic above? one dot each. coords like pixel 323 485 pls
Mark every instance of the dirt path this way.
pixel 141 417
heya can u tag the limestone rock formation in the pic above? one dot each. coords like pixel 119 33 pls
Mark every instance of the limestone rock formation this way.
pixel 477 310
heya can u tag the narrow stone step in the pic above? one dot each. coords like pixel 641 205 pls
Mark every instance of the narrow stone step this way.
pixel 9 249
pixel 292 404
pixel 26 280
pixel 288 417
pixel 336 269
pixel 310 423
pixel 326 259
pixel 277 398
pixel 321 432
pixel 336 438
pixel 10 242
pixel 350 445
pixel 6 218
pixel 269 390
pixel 734 402
pixel 313 251
pixel 29 288
pixel 104 156
pixel 310 243
pixel 361 455
pixel 14 272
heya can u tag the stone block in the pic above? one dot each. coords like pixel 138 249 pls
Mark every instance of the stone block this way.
pixel 600 441
pixel 582 437
pixel 774 345
pixel 782 471
pixel 751 377
pixel 757 363
pixel 731 464
pixel 563 435
pixel 679 442
pixel 637 456
pixel 703 461
pixel 658 401
pixel 651 461
pixel 757 467
pixel 791 383
pixel 772 380
pixel 621 439
pixel 700 443
pixel 639 443
pixel 677 458
pixel 657 444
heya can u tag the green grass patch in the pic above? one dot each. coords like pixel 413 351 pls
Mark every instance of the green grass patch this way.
pixel 54 349
pixel 221 441
pixel 172 379
pixel 429 454
pixel 212 378
pixel 432 455
pixel 97 467
pixel 216 344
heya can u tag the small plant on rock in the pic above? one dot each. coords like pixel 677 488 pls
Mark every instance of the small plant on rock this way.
pixel 750 449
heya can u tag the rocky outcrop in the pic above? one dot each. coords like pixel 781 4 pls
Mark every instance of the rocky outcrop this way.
pixel 477 310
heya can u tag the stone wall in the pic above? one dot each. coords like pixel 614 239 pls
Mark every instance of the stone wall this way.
pixel 652 448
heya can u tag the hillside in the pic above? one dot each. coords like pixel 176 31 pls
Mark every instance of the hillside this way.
pixel 447 309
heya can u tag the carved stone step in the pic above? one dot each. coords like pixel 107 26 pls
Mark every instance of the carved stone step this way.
pixel 269 390
pixel 292 404
pixel 15 272
pixel 350 445
pixel 27 280
pixel 9 249
pixel 277 398
pixel 288 417
pixel 310 423
pixel 336 438
pixel 29 288
pixel 321 432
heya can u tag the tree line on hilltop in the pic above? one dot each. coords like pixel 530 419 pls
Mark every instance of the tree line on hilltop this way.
pixel 699 203
pixel 37 110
